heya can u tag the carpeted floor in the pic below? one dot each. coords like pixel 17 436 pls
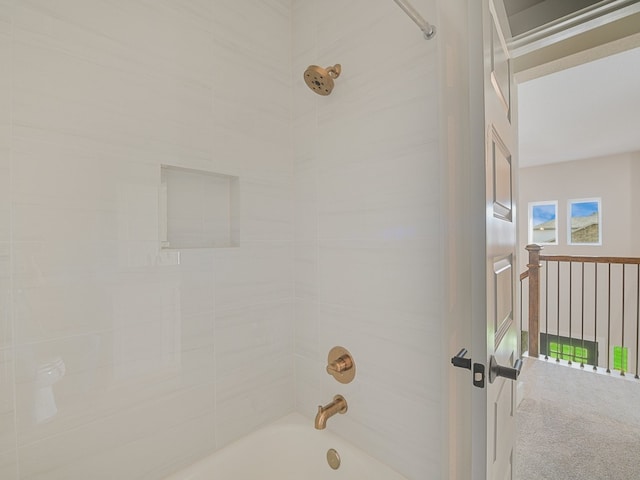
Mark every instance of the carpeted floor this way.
pixel 577 425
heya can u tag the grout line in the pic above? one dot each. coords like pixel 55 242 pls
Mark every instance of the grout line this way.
pixel 12 321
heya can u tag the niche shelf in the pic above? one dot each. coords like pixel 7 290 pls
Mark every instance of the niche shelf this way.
pixel 198 209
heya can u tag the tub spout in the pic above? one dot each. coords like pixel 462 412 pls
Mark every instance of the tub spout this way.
pixel 338 405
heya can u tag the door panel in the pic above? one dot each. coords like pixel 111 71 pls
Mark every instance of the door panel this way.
pixel 500 218
pixel 502 178
pixel 503 298
pixel 502 459
pixel 500 70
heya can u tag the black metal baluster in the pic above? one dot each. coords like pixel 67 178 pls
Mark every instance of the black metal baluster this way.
pixel 546 309
pixel 637 317
pixel 582 319
pixel 521 308
pixel 595 317
pixel 622 347
pixel 609 323
pixel 570 310
pixel 558 316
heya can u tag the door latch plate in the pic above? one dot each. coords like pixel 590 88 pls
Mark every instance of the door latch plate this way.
pixel 478 375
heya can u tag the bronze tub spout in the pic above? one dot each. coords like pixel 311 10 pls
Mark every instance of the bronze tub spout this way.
pixel 338 405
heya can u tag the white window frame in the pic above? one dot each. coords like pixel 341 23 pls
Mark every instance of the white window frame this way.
pixel 570 203
pixel 530 224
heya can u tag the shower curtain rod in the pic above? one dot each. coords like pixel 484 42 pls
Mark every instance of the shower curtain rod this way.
pixel 428 29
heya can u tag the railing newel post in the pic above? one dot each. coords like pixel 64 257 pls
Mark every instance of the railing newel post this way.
pixel 534 298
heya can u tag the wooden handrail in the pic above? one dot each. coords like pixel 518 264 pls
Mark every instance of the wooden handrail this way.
pixel 589 259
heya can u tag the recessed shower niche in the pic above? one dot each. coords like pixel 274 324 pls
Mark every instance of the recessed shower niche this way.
pixel 198 209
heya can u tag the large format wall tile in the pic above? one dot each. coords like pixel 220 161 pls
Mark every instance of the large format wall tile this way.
pixel 5 170
pixel 130 361
pixel 8 453
pixel 367 160
pixel 113 445
pixel 118 342
pixel 9 465
pixel 7 403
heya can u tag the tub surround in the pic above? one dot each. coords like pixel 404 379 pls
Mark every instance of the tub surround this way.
pixel 119 359
pixel 167 356
pixel 367 215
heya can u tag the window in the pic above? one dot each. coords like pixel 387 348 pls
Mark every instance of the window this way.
pixel 584 222
pixel 543 219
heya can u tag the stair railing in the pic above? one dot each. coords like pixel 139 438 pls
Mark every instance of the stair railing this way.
pixel 582 309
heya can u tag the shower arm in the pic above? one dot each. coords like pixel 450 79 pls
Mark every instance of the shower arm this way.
pixel 428 29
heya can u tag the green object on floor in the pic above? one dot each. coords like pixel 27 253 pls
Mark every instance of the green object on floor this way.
pixel 620 355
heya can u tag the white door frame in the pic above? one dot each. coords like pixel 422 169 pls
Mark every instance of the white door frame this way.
pixel 468 431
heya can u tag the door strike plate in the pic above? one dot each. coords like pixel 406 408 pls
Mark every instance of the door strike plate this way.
pixel 478 375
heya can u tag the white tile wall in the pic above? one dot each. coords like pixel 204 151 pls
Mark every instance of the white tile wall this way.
pixel 5 120
pixel 8 451
pixel 367 228
pixel 128 362
pixel 7 405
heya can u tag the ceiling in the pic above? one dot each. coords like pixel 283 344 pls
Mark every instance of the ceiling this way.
pixel 587 111
pixel 516 6
pixel 525 15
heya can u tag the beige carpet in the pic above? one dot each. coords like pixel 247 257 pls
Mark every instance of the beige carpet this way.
pixel 577 425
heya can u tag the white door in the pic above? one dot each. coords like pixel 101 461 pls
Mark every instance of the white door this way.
pixel 495 341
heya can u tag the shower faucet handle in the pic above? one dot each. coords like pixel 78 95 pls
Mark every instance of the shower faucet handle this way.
pixel 340 365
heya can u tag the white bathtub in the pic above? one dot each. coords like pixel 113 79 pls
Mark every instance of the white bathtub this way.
pixel 290 449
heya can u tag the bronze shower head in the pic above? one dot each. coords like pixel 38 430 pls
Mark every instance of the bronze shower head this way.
pixel 320 80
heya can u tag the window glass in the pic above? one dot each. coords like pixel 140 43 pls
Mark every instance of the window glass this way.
pixel 584 222
pixel 543 223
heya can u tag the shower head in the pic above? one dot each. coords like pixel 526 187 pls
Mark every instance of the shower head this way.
pixel 320 80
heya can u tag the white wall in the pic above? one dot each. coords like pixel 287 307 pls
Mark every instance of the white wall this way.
pixel 8 457
pixel 544 12
pixel 635 203
pixel 368 216
pixel 155 361
pixel 457 25
pixel 608 178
